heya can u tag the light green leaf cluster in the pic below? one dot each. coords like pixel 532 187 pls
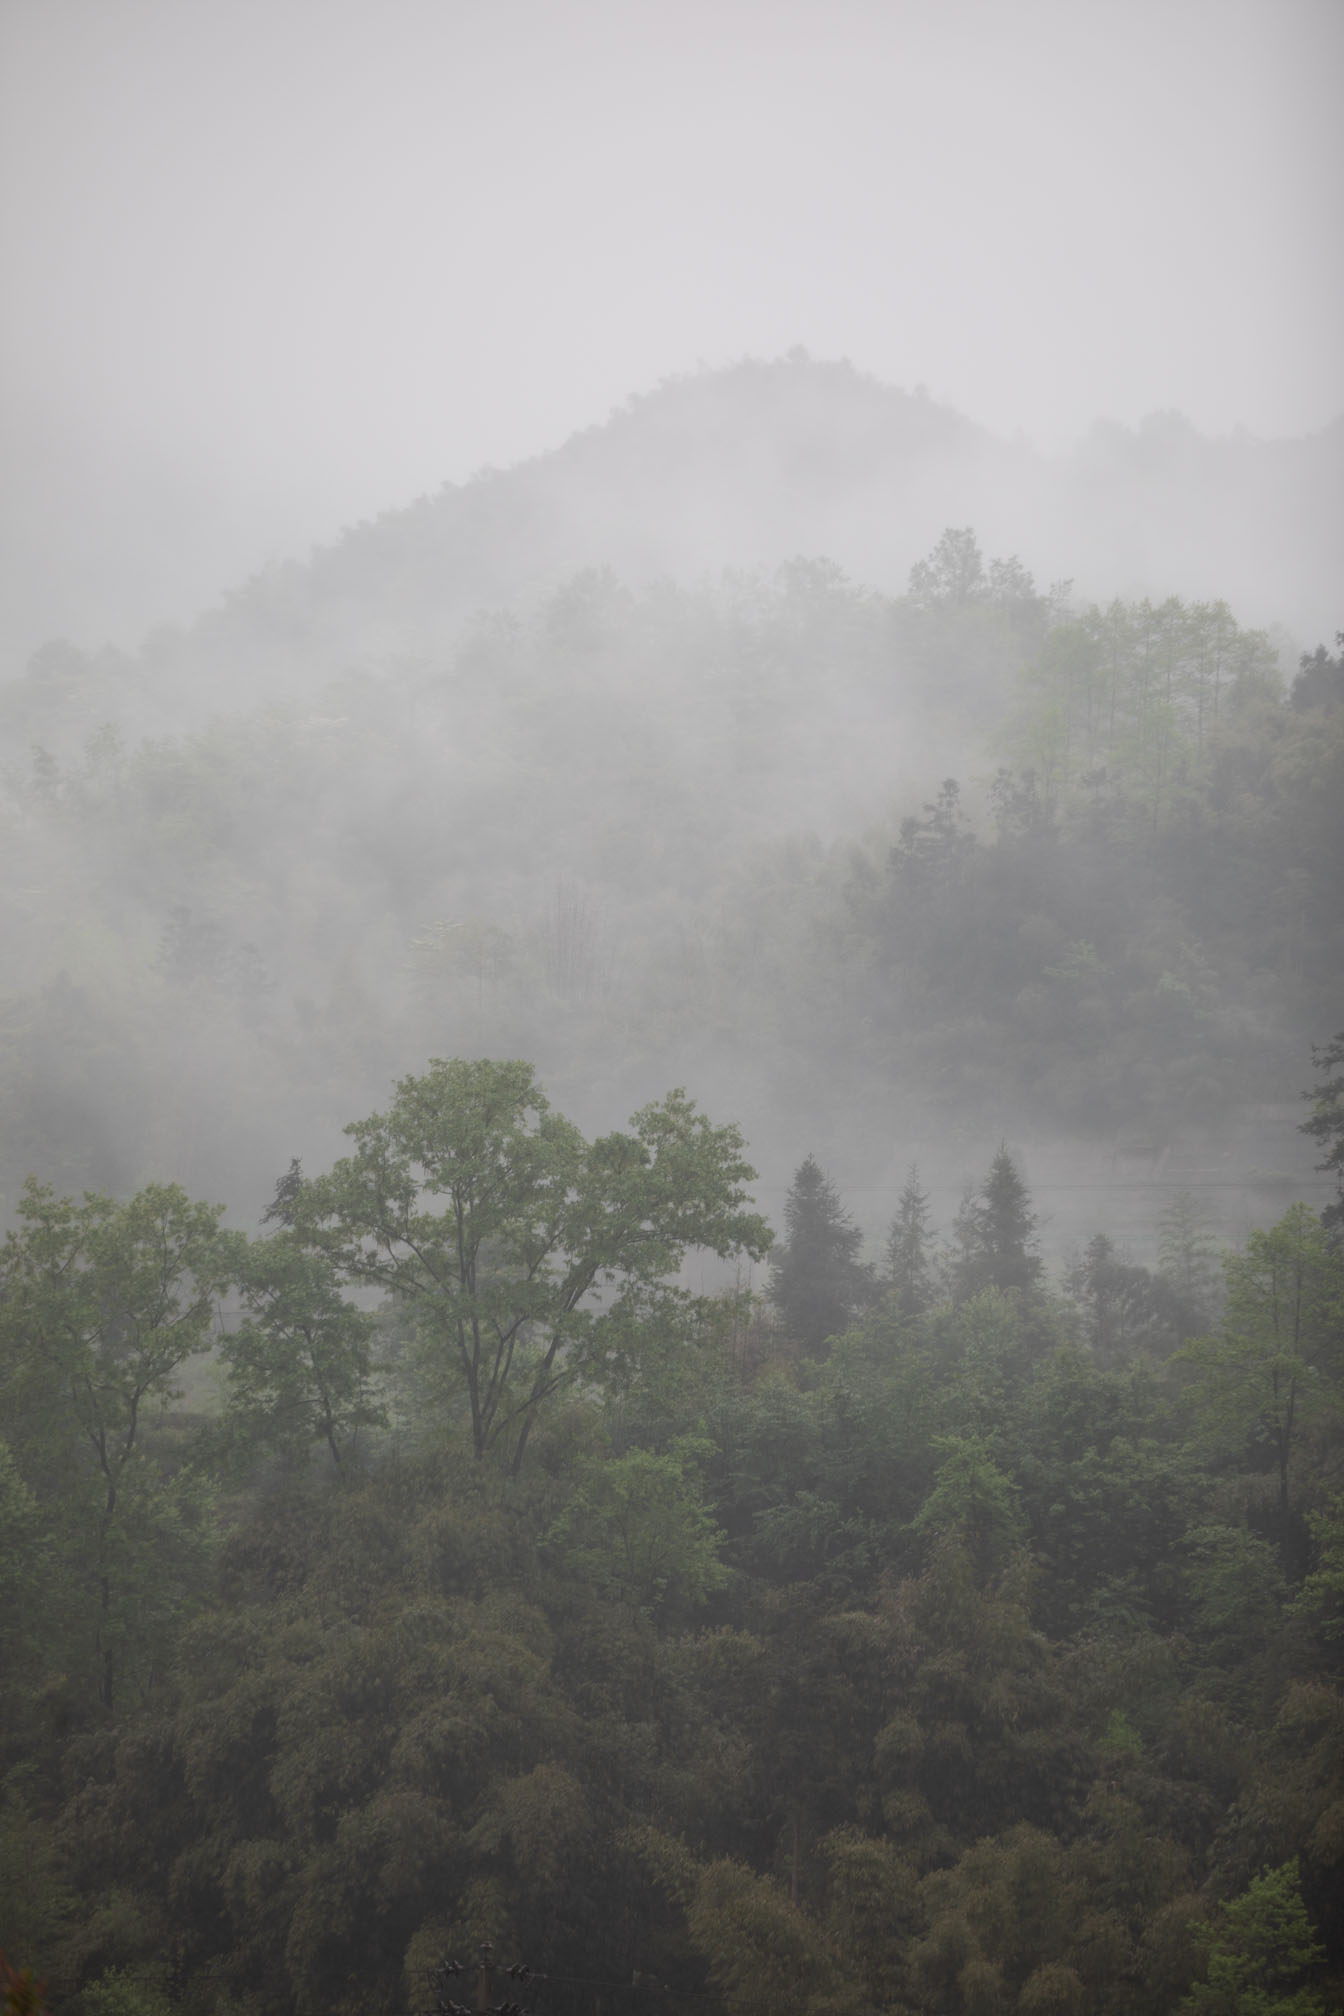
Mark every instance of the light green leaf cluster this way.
pixel 638 1529
pixel 1259 1946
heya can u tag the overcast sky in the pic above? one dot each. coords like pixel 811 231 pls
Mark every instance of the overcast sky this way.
pixel 274 265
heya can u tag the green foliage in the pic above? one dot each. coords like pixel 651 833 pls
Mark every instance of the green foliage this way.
pixel 299 1364
pixel 320 835
pixel 764 1954
pixel 639 1532
pixel 119 1992
pixel 101 1305
pixel 1321 1597
pixel 818 1283
pixel 996 1232
pixel 1106 1491
pixel 34 1902
pixel 910 1273
pixel 1320 679
pixel 1136 693
pixel 871 1908
pixel 1236 1592
pixel 855 1641
pixel 26 1567
pixel 1259 1947
pixel 1270 1379
pixel 1119 1302
pixel 954 572
pixel 960 1663
pixel 1189 1258
pixel 973 1503
pixel 978 1340
pixel 527 1258
pixel 1120 1738
pixel 1002 1927
pixel 966 1727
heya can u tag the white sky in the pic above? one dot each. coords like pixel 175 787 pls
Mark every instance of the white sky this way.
pixel 274 265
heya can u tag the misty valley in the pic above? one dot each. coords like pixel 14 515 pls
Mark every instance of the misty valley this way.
pixel 672 1294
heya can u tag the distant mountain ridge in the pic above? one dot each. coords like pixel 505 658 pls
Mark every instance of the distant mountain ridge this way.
pixel 750 465
pixel 597 761
pixel 745 468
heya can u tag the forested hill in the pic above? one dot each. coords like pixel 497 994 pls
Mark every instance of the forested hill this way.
pixel 466 1544
pixel 744 468
pixel 581 761
pixel 896 875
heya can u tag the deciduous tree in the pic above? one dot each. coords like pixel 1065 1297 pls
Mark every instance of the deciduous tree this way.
pixel 299 1363
pixel 101 1304
pixel 1260 1946
pixel 528 1257
pixel 1273 1371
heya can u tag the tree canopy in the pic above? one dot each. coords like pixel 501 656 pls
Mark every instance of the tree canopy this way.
pixel 526 1258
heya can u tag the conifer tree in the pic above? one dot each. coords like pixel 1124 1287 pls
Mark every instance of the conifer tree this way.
pixel 1115 1299
pixel 996 1232
pixel 909 1267
pixel 819 1282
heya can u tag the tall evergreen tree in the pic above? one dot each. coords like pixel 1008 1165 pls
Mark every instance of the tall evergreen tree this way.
pixel 909 1266
pixel 819 1282
pixel 1115 1299
pixel 996 1232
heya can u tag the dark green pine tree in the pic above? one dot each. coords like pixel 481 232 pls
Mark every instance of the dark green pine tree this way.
pixel 1115 1299
pixel 910 1275
pixel 819 1282
pixel 996 1232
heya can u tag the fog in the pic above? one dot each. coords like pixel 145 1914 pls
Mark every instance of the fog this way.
pixel 672 808
pixel 274 268
pixel 415 420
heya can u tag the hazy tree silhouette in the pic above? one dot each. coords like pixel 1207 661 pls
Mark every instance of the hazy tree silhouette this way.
pixel 996 1232
pixel 819 1282
pixel 909 1263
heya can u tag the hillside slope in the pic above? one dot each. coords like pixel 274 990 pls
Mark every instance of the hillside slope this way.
pixel 746 468
pixel 581 762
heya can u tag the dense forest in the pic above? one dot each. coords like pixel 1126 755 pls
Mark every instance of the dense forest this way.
pixel 930 1635
pixel 884 1583
pixel 617 834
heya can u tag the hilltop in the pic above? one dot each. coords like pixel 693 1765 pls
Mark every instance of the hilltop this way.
pixel 607 761
pixel 742 468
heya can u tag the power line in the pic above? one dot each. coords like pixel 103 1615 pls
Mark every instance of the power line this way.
pixel 1244 1183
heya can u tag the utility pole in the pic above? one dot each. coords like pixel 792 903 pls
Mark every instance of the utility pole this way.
pixel 485 2003
pixel 485 1982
